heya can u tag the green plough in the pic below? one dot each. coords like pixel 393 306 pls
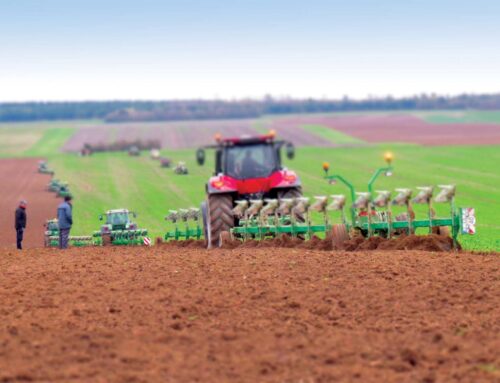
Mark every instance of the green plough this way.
pixel 186 216
pixel 51 238
pixel 369 214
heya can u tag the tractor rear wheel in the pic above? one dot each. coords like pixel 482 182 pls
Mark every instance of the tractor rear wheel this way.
pixel 339 235
pixel 220 218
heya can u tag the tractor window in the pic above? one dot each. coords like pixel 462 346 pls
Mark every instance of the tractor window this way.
pixel 250 161
pixel 117 218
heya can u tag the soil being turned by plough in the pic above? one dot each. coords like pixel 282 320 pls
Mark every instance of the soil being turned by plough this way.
pixel 170 314
pixel 358 243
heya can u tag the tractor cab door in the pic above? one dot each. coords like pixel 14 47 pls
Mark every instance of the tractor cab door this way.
pixel 277 148
pixel 218 161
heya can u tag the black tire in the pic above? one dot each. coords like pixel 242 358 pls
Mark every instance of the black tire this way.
pixel 219 218
pixel 292 193
pixel 339 235
pixel 106 240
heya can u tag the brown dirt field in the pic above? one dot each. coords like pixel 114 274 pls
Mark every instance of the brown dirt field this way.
pixel 401 128
pixel 166 314
pixel 20 180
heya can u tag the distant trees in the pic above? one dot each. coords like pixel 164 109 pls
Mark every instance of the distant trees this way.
pixel 119 111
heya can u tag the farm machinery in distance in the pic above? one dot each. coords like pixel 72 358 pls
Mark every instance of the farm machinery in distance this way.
pixel 59 187
pixel 118 229
pixel 43 168
pixel 51 238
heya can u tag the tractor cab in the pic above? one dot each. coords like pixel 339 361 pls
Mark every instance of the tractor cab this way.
pixel 118 219
pixel 249 165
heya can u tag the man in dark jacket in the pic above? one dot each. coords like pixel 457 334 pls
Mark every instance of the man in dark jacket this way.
pixel 65 218
pixel 20 224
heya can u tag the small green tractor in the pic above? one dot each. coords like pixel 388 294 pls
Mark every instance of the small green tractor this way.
pixel 118 229
pixel 54 185
pixel 59 187
pixel 181 168
pixel 63 190
pixel 43 168
pixel 51 238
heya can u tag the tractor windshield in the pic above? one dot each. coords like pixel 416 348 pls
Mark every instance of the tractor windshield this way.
pixel 117 219
pixel 250 161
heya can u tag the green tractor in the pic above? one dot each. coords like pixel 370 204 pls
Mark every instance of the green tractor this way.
pixel 63 190
pixel 43 168
pixel 51 238
pixel 54 185
pixel 120 230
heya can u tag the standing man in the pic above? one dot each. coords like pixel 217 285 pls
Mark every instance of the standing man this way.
pixel 65 218
pixel 20 223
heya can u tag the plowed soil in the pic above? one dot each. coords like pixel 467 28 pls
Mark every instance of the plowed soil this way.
pixel 399 128
pixel 167 314
pixel 19 180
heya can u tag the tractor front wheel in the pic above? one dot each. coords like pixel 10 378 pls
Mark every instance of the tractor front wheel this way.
pixel 220 218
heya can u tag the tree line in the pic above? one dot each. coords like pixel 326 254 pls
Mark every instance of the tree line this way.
pixel 122 111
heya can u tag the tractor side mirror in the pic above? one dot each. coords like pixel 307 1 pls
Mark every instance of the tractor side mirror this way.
pixel 290 150
pixel 100 217
pixel 200 156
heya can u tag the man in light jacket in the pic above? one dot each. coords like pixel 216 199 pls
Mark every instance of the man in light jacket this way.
pixel 65 218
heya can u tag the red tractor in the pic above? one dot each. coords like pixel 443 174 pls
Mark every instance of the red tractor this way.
pixel 245 168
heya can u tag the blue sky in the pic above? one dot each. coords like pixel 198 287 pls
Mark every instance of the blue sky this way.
pixel 152 49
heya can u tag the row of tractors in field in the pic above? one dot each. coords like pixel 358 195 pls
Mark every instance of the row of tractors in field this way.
pixel 253 196
pixel 60 188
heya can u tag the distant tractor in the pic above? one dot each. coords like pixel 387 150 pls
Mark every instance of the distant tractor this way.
pixel 134 151
pixel 181 168
pixel 154 154
pixel 43 168
pixel 246 168
pixel 54 185
pixel 86 150
pixel 63 190
pixel 119 229
pixel 165 162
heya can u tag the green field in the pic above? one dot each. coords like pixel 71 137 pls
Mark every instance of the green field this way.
pixel 113 180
